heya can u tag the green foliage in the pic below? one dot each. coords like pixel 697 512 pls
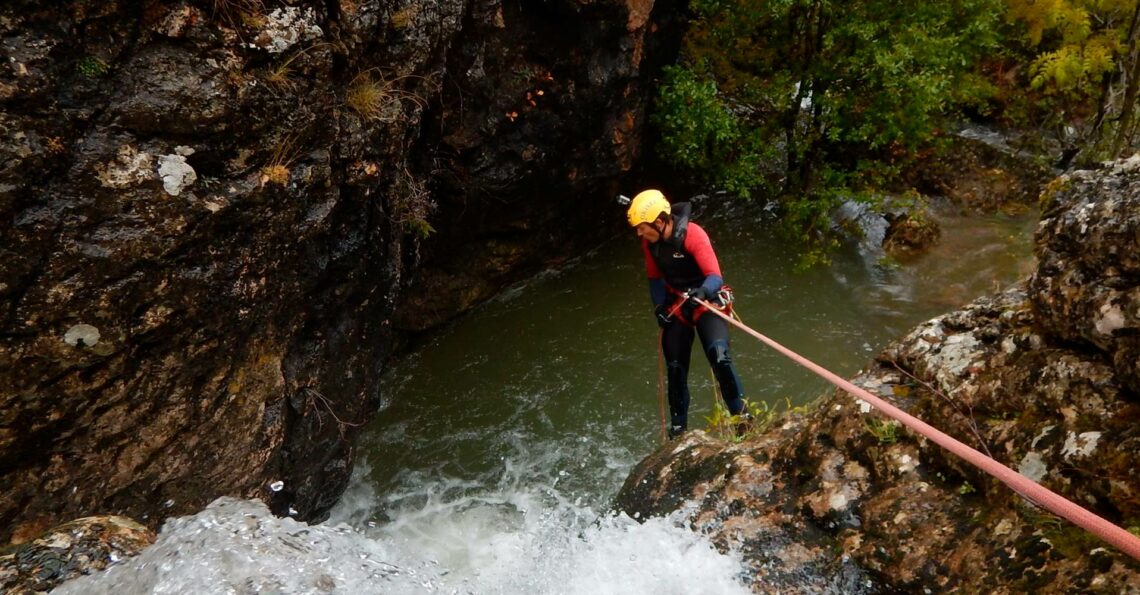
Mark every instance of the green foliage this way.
pixel 1079 57
pixel 807 223
pixel 816 98
pixel 701 133
pixel 1074 69
pixel 737 428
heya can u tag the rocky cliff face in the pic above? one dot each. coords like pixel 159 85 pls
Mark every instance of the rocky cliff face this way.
pixel 1042 377
pixel 212 208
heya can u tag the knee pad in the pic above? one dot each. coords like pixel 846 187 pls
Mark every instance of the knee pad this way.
pixel 718 353
pixel 676 369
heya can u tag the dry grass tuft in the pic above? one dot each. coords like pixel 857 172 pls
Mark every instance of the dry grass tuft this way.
pixel 276 170
pixel 411 203
pixel 240 12
pixel 380 99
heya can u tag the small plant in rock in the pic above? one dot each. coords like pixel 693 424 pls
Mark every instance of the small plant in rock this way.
pixel 55 145
pixel 283 75
pixel 411 203
pixel 92 67
pixel 240 12
pixel 885 431
pixel 276 170
pixel 380 99
pixel 317 403
pixel 740 427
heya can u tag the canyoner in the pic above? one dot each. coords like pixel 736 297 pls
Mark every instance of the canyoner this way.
pixel 684 282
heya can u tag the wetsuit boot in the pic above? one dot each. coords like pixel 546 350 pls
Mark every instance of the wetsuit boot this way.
pixel 729 382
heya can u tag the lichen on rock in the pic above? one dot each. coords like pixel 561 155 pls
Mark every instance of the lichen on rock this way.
pixel 285 27
pixel 175 172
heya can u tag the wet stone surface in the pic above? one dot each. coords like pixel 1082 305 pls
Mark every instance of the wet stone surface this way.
pixel 213 211
pixel 82 546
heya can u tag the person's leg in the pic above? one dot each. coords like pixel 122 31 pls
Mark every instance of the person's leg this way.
pixel 714 339
pixel 677 347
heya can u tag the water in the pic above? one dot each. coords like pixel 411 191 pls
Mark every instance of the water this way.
pixel 503 438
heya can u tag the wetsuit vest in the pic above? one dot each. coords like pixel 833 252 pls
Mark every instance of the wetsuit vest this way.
pixel 679 268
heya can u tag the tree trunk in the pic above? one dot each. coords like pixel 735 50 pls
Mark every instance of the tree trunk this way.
pixel 1123 131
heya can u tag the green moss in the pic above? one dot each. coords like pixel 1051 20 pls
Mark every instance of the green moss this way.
pixel 91 67
pixel 1073 541
pixel 1051 191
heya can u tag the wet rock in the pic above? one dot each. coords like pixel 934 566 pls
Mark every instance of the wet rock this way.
pixel 207 233
pixel 910 233
pixel 545 96
pixel 1088 243
pixel 978 176
pixel 171 90
pixel 741 498
pixel 82 546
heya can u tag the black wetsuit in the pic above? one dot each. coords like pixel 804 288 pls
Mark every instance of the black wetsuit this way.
pixel 683 262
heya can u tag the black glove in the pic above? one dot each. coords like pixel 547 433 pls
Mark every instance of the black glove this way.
pixel 662 315
pixel 699 293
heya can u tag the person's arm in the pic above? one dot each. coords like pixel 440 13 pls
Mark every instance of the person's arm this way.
pixel 657 291
pixel 697 243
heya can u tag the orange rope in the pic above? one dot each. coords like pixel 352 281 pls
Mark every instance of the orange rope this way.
pixel 1035 492
pixel 661 384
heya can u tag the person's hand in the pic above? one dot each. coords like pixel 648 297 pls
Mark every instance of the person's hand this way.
pixel 662 315
pixel 699 293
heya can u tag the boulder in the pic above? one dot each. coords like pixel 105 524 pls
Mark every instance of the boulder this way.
pixel 79 547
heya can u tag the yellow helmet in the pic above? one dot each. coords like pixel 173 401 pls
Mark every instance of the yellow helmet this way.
pixel 646 207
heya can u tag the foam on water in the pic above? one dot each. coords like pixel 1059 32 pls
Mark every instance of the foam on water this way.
pixel 505 543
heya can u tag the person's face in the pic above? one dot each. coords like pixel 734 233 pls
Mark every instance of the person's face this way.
pixel 648 232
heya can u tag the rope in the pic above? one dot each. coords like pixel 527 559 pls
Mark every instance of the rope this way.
pixel 1035 492
pixel 661 384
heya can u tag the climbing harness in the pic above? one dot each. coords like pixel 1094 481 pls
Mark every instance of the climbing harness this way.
pixel 1035 492
pixel 724 297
